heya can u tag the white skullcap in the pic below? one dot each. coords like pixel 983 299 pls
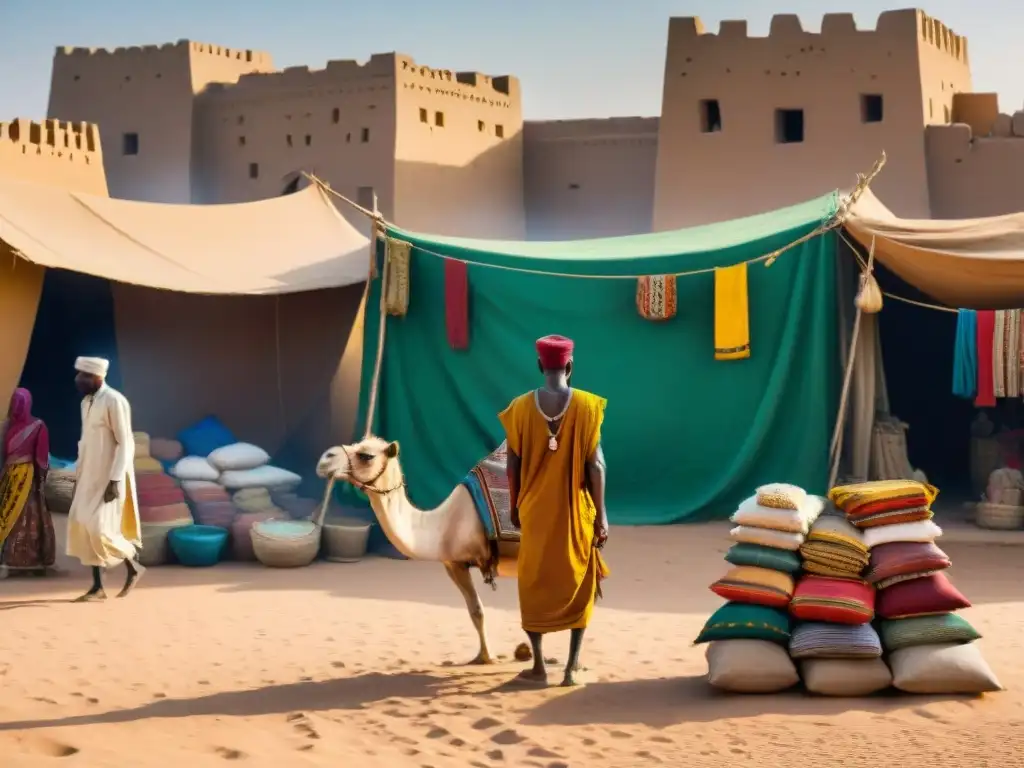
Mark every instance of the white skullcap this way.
pixel 97 366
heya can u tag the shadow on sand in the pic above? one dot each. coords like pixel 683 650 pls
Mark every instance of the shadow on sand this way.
pixel 343 693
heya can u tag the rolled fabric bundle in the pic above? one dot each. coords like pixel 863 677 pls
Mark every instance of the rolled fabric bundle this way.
pixel 147 465
pixel 167 513
pixel 162 449
pixel 159 497
pixel 220 514
pixel 155 481
pixel 208 494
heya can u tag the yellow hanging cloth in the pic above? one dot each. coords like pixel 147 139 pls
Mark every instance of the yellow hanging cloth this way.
pixel 732 313
pixel 396 270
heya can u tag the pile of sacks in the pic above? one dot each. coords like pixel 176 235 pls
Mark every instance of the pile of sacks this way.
pixel 749 636
pixel 161 501
pixel 929 648
pixel 230 488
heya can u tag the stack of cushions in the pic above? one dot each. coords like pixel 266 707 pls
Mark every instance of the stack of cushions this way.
pixel 834 548
pixel 930 649
pixel 167 452
pixel 162 508
pixel 211 504
pixel 750 633
pixel 144 462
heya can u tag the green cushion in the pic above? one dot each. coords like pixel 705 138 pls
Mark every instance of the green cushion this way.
pixel 926 630
pixel 739 621
pixel 772 558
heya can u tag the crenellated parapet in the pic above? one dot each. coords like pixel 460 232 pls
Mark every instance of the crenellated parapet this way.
pixel 72 140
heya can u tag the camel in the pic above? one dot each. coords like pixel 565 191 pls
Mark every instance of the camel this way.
pixel 452 534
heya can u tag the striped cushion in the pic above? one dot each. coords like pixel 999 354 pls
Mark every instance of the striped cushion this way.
pixel 926 630
pixel 779 539
pixel 881 495
pixel 736 621
pixel 880 585
pixel 893 517
pixel 818 640
pixel 763 557
pixel 840 601
pixel 921 597
pixel 759 586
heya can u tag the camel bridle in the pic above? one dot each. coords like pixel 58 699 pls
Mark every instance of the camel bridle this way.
pixel 371 485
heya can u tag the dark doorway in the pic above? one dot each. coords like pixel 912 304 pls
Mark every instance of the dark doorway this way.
pixel 917 352
pixel 75 317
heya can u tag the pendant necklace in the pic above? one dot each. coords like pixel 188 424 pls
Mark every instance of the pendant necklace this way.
pixel 552 433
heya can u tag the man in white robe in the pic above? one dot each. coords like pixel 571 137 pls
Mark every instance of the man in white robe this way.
pixel 103 523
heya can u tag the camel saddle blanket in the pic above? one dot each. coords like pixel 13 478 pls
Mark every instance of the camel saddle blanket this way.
pixel 487 483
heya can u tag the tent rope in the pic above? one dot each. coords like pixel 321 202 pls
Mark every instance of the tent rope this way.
pixel 833 221
pixel 863 266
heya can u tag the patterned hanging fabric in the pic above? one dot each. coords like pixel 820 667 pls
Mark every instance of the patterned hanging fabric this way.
pixel 456 303
pixel 656 297
pixel 396 271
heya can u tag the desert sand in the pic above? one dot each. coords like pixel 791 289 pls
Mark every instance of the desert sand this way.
pixel 361 665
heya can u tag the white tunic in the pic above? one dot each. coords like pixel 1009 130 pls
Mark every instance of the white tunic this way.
pixel 104 533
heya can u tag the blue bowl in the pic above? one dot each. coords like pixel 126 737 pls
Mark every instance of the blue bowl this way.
pixel 198 546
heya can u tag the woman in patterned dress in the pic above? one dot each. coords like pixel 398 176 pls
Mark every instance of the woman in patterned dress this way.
pixel 27 539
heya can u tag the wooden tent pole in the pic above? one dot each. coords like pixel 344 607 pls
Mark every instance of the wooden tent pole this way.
pixel 834 452
pixel 375 231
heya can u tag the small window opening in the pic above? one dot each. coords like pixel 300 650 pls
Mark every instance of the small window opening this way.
pixel 710 116
pixel 335 115
pixel 871 108
pixel 348 138
pixel 574 186
pixel 499 131
pixel 309 140
pixel 130 144
pixel 424 118
pixel 288 139
pixel 254 170
pixel 241 141
pixel 241 119
pixel 365 135
pixel 789 126
pixel 945 112
pixel 439 119
pixel 480 126
pixel 931 108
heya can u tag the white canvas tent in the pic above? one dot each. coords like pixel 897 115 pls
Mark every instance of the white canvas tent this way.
pixel 248 311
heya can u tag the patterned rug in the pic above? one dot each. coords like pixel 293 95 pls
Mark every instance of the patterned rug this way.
pixel 487 483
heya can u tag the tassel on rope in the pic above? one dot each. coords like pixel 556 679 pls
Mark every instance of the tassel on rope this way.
pixel 869 296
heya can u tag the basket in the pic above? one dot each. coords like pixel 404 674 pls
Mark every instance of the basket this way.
pixel 285 543
pixel 154 541
pixel 345 540
pixel 1000 517
pixel 198 546
pixel 59 489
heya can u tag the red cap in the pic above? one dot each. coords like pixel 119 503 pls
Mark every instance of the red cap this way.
pixel 554 352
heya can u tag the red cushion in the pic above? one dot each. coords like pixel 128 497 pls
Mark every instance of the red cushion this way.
pixel 155 481
pixel 751 594
pixel 838 601
pixel 921 597
pixel 160 497
pixel 899 558
pixel 168 513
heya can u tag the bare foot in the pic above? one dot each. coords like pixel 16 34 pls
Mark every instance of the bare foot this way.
pixel 132 580
pixel 532 677
pixel 92 596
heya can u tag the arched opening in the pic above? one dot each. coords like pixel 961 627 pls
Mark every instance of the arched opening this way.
pixel 293 183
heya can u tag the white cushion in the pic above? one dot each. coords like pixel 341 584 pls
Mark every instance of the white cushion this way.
pixel 194 468
pixel 238 456
pixel 274 478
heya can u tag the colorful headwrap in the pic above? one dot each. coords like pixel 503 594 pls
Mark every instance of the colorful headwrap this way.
pixel 554 352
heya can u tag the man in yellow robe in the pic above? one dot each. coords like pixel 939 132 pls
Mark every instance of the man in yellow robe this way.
pixel 556 472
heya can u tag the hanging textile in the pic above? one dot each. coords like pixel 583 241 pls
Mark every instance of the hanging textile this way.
pixel 456 303
pixel 1012 363
pixel 965 355
pixel 656 297
pixel 396 270
pixel 999 354
pixel 986 323
pixel 732 313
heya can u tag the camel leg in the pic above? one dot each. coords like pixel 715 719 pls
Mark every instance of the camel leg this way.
pixel 463 579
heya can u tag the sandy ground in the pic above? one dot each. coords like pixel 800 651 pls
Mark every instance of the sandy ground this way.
pixel 360 665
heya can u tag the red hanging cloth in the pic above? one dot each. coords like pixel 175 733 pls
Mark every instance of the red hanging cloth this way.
pixel 456 303
pixel 986 397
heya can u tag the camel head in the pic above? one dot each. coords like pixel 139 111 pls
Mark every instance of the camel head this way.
pixel 360 463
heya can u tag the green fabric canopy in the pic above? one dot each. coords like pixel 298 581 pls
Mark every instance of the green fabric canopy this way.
pixel 686 437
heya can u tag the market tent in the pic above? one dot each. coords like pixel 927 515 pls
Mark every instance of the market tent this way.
pixel 963 263
pixel 245 311
pixel 686 437
pixel 284 245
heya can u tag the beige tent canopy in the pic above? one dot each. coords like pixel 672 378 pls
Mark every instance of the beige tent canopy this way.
pixel 284 245
pixel 963 263
pixel 247 311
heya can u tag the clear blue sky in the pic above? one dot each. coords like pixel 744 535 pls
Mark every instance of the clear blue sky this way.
pixel 576 58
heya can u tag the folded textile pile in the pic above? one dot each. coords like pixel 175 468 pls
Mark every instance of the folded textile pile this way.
pixel 930 649
pixel 834 548
pixel 162 506
pixel 144 462
pixel 748 635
